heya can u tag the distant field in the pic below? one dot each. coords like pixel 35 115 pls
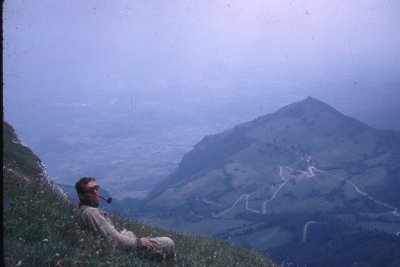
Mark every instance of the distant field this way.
pixel 382 226
pixel 212 226
pixel 268 238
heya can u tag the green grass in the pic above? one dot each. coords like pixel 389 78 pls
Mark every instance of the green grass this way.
pixel 40 228
pixel 213 226
pixel 383 226
pixel 269 237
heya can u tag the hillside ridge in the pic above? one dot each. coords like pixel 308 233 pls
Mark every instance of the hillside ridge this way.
pixel 40 228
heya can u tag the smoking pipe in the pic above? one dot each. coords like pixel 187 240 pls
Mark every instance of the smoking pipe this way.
pixel 108 200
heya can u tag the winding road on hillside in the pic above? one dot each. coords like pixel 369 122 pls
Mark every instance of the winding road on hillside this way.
pixel 358 190
pixel 305 230
pixel 311 172
pixel 275 192
pixel 264 207
pixel 246 197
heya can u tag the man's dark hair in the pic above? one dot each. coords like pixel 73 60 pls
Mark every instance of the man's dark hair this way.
pixel 82 181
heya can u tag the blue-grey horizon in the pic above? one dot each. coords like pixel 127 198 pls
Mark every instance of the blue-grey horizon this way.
pixel 240 59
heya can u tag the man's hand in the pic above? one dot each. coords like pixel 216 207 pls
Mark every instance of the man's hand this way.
pixel 127 233
pixel 148 243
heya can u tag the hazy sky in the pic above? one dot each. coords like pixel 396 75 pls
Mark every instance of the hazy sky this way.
pixel 245 53
pixel 94 46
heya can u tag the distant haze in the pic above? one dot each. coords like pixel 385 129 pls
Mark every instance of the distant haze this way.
pixel 97 71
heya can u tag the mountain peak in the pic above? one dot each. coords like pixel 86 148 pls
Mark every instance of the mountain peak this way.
pixel 315 102
pixel 312 114
pixel 311 99
pixel 308 126
pixel 309 104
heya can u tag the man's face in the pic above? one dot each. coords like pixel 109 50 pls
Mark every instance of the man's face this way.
pixel 91 194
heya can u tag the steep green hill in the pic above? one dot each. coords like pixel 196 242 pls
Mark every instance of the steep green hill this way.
pixel 272 183
pixel 40 228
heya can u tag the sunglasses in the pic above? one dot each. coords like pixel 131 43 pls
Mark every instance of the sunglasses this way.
pixel 91 189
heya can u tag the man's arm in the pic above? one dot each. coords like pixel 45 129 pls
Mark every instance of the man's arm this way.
pixel 103 226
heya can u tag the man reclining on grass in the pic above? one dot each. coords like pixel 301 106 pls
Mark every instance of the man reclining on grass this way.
pixel 96 220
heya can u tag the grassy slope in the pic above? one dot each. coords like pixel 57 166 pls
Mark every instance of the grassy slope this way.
pixel 40 229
